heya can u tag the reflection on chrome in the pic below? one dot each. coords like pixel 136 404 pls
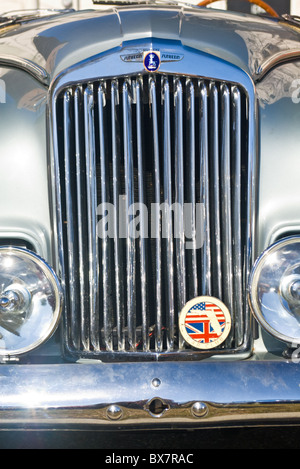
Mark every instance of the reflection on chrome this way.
pixel 30 301
pixel 274 290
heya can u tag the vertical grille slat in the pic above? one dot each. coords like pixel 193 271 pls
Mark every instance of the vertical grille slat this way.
pixel 130 239
pixel 225 188
pixel 179 198
pixel 143 228
pixel 67 111
pixel 191 253
pixel 215 204
pixel 167 203
pixel 205 265
pixel 157 222
pixel 147 155
pixel 91 183
pixel 237 215
pixel 81 220
pixel 118 283
pixel 107 306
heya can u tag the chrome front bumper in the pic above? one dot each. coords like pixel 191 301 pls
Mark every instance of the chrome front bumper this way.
pixel 186 395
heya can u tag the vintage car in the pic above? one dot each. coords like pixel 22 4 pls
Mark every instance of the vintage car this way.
pixel 149 217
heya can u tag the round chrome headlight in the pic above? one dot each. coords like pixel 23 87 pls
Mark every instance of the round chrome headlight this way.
pixel 30 301
pixel 274 290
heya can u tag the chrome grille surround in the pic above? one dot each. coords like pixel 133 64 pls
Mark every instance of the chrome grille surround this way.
pixel 127 324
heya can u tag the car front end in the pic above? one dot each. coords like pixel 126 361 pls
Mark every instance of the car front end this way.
pixel 150 228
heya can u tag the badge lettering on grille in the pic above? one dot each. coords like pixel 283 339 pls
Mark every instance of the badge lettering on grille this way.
pixel 151 58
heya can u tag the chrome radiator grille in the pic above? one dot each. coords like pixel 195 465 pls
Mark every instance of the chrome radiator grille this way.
pixel 151 140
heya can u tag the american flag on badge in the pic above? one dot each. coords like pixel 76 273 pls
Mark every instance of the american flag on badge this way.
pixel 205 322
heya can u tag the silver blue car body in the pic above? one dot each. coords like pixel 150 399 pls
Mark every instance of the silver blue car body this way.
pixel 72 381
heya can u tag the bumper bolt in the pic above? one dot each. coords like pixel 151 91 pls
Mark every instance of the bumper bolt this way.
pixel 199 409
pixel 114 412
pixel 156 382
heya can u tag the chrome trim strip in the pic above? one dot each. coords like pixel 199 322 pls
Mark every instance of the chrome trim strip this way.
pixel 91 214
pixel 252 197
pixel 55 195
pixel 67 103
pixel 225 186
pixel 32 68
pixel 141 194
pixel 130 239
pixel 191 254
pixel 120 301
pixel 158 251
pixel 215 178
pixel 179 199
pixel 82 241
pixel 274 61
pixel 104 190
pixel 167 189
pixel 204 190
pixel 80 395
pixel 236 208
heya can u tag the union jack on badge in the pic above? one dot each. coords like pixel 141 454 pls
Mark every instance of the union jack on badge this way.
pixel 205 322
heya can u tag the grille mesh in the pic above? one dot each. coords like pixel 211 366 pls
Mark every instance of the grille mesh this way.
pixel 151 140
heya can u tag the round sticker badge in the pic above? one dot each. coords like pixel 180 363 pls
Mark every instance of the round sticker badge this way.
pixel 152 60
pixel 205 322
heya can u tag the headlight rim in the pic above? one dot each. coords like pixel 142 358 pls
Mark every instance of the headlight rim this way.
pixel 252 287
pixel 59 296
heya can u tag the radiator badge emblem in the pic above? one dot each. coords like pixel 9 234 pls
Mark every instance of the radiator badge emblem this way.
pixel 204 322
pixel 151 60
